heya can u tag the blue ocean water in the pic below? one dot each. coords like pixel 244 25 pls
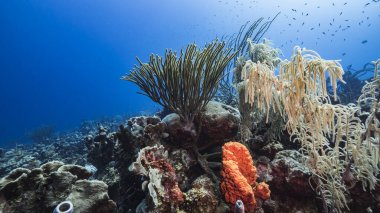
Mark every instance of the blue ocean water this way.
pixel 61 61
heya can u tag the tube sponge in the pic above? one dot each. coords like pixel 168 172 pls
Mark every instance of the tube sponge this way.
pixel 239 177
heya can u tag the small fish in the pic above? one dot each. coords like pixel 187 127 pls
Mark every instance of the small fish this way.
pixel 290 24
pixel 294 18
pixel 369 25
pixel 323 33
pixel 343 54
pixel 318 7
pixel 341 13
pixel 312 28
pixel 332 34
pixel 301 43
pixel 344 39
pixel 294 10
pixel 333 4
pixel 307 14
pixel 345 3
pixel 367 4
pixel 303 23
pixel 346 20
pixel 340 26
pixel 330 24
pixel 364 41
pixel 319 24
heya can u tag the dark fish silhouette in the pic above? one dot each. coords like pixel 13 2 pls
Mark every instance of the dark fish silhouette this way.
pixel 367 4
pixel 364 41
pixel 341 13
pixel 312 28
pixel 294 10
pixel 324 33
pixel 345 3
pixel 303 23
pixel 343 54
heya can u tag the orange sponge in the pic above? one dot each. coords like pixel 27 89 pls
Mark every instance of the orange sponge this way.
pixel 262 191
pixel 239 177
pixel 235 186
pixel 238 153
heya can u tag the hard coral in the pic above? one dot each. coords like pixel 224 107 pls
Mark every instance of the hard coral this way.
pixel 239 177
pixel 163 186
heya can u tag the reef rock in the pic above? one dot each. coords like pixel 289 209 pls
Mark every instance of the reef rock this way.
pixel 91 196
pixel 220 122
pixel 147 130
pixel 41 189
pixel 201 197
pixel 100 148
pixel 289 181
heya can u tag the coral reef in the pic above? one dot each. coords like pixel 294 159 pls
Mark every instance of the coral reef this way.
pixel 325 131
pixel 67 148
pixel 201 197
pixel 100 148
pixel 316 155
pixel 41 189
pixel 163 186
pixel 186 84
